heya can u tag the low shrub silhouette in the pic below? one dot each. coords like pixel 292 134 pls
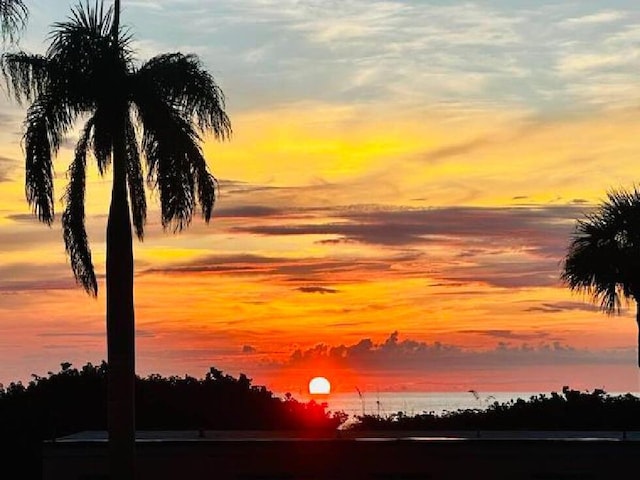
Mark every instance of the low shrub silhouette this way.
pixel 74 400
pixel 569 410
pixel 222 402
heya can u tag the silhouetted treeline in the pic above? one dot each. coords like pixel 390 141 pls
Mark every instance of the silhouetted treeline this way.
pixel 569 410
pixel 74 400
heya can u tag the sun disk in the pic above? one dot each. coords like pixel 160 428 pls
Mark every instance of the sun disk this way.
pixel 319 386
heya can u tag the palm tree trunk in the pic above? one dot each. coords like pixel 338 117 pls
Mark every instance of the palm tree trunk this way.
pixel 120 310
pixel 120 324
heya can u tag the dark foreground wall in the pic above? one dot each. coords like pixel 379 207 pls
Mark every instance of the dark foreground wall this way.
pixel 273 458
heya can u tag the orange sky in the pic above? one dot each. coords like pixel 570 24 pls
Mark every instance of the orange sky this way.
pixel 396 238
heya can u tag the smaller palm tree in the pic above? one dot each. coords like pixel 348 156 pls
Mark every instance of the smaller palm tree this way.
pixel 603 259
pixel 13 18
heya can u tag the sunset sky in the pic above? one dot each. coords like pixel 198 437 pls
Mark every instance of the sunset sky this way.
pixel 394 204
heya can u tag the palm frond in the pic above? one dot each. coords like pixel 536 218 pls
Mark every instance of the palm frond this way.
pixel 182 82
pixel 39 171
pixel 89 26
pixel 102 140
pixel 173 177
pixel 13 18
pixel 73 218
pixel 135 180
pixel 590 265
pixel 207 185
pixel 603 258
pixel 86 21
pixel 46 123
pixel 170 146
pixel 25 75
pixel 89 67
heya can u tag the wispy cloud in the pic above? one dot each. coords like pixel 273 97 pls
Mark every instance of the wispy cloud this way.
pixel 510 334
pixel 539 228
pixel 605 16
pixel 360 51
pixel 281 269
pixel 505 247
pixel 316 289
pixel 558 307
pixel 451 151
pixel 580 64
pixel 7 166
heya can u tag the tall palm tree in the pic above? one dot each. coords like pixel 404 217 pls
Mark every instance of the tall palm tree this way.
pixel 158 111
pixel 13 18
pixel 603 259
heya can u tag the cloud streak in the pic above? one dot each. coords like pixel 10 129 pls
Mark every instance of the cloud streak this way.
pixel 315 289
pixel 7 166
pixel 501 246
pixel 410 226
pixel 559 307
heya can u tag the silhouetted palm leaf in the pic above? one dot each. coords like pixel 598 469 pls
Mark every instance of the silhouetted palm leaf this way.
pixel 135 180
pixel 603 259
pixel 13 18
pixel 74 231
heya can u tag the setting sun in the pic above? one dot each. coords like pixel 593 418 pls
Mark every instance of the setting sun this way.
pixel 319 386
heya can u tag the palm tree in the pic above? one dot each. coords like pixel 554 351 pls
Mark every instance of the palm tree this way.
pixel 603 259
pixel 158 111
pixel 13 18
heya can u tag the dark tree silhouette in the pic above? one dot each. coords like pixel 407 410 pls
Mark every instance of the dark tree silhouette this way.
pixel 74 400
pixel 603 259
pixel 566 410
pixel 89 70
pixel 13 18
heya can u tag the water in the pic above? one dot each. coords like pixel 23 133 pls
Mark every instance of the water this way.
pixel 413 403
